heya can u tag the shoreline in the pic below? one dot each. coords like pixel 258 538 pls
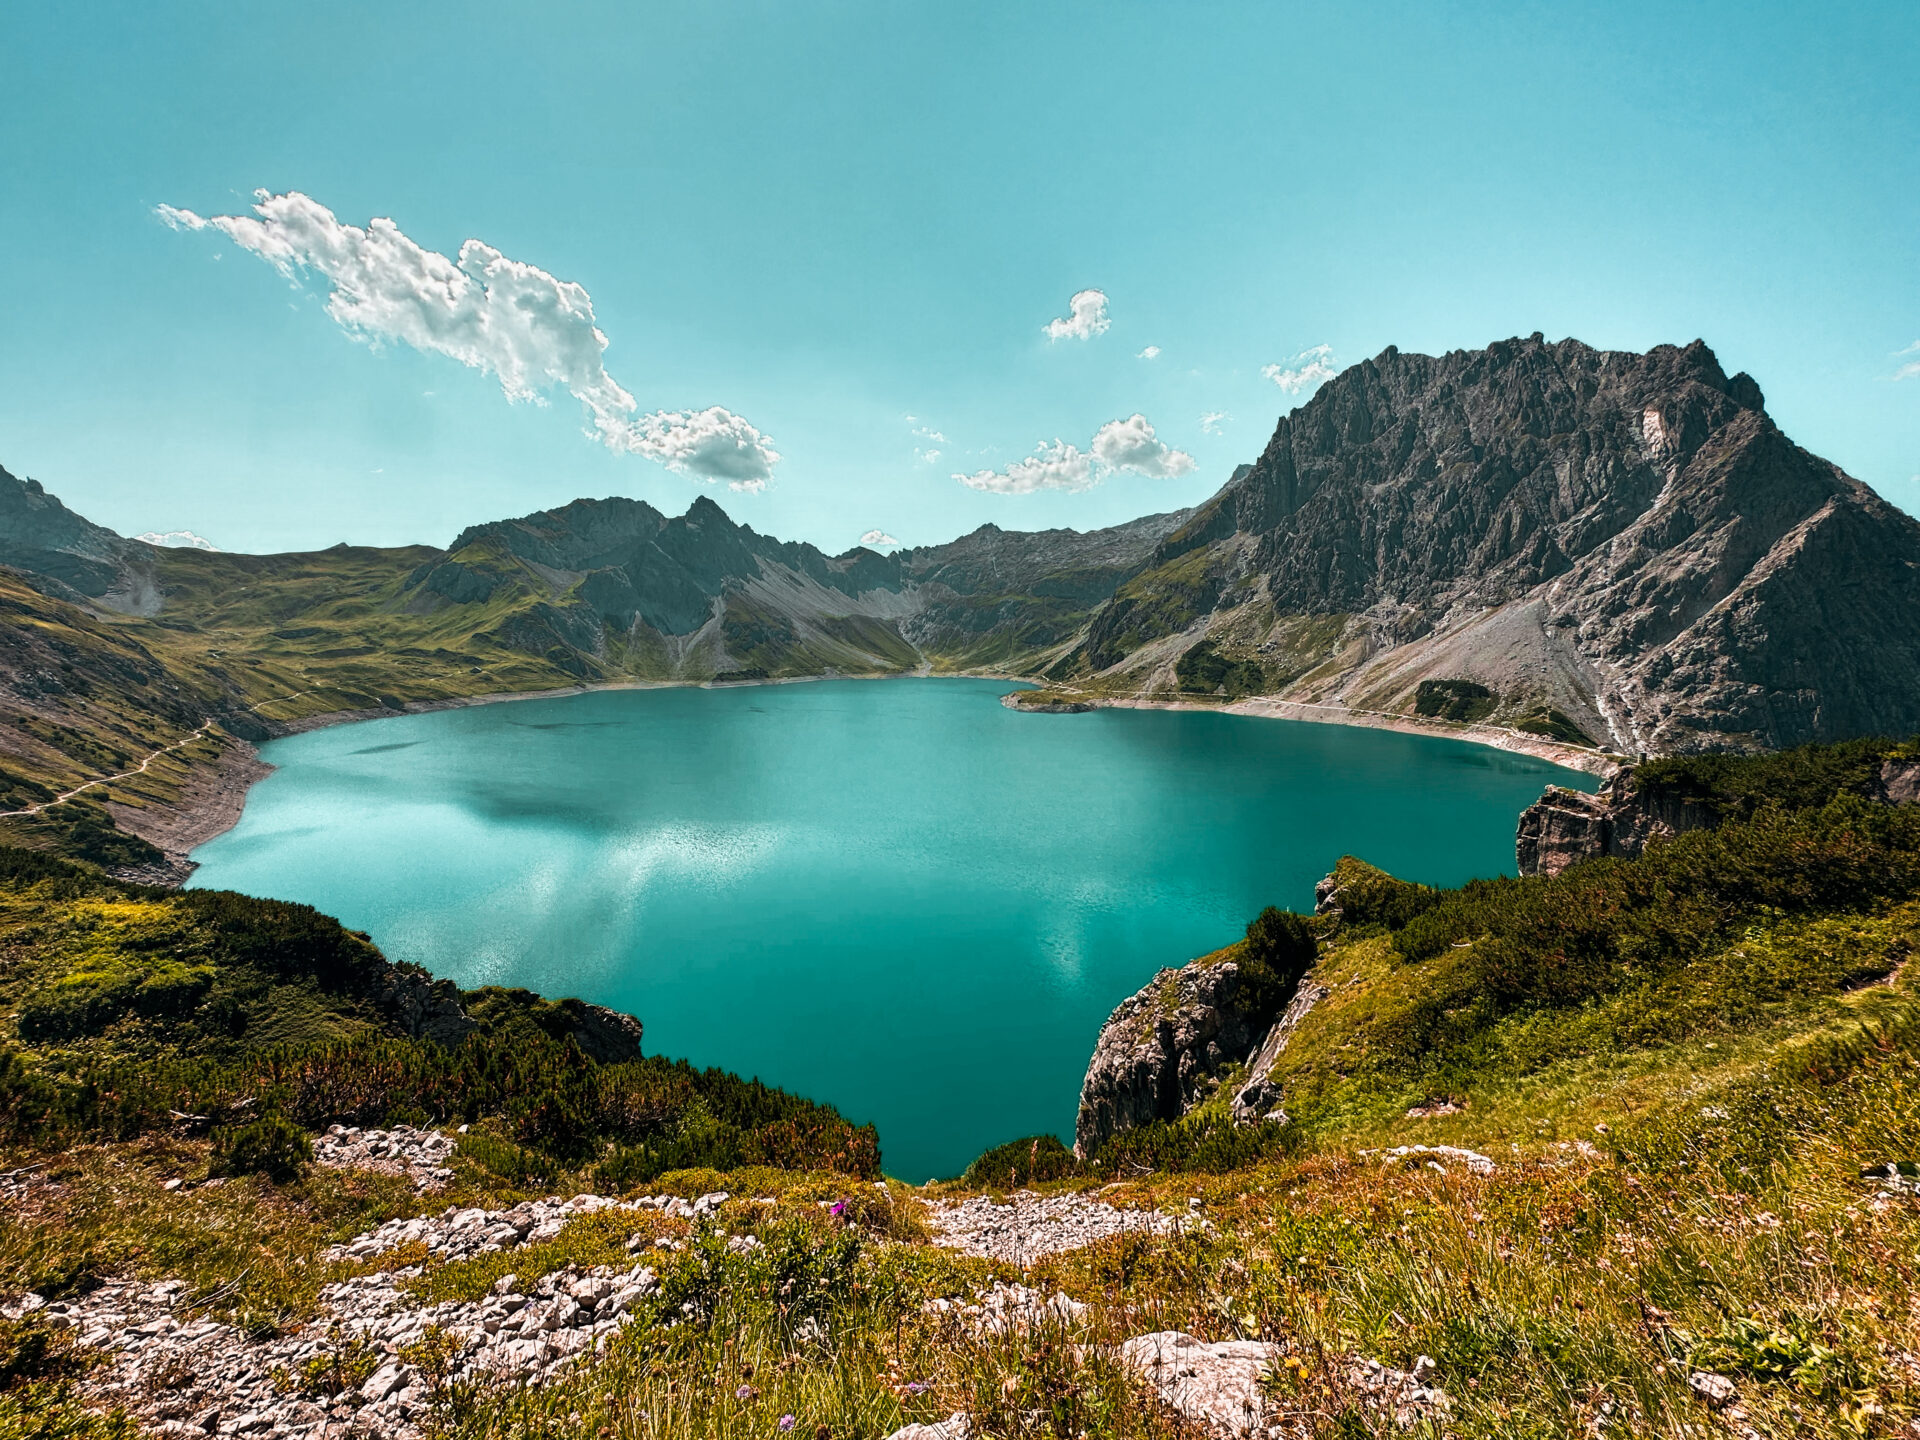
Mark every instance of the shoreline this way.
pixel 1516 742
pixel 212 803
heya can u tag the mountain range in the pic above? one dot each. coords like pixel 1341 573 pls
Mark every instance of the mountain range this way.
pixel 1614 549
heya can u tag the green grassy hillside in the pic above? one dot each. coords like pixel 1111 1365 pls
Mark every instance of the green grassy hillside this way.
pixel 1647 1089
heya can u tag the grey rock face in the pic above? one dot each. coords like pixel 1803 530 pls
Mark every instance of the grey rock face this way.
pixel 426 1008
pixel 1259 1096
pixel 1162 1048
pixel 1563 826
pixel 609 1036
pixel 1626 538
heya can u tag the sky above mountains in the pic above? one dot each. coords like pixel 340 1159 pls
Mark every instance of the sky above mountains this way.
pixel 286 277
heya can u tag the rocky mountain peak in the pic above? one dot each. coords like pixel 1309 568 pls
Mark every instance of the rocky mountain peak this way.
pixel 1638 545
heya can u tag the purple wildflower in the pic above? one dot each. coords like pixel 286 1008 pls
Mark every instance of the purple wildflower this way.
pixel 745 1392
pixel 839 1208
pixel 916 1387
pixel 786 1422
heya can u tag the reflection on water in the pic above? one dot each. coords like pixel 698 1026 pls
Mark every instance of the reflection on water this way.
pixel 899 897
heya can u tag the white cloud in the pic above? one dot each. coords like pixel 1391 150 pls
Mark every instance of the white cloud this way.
pixel 1086 317
pixel 926 457
pixel 1058 466
pixel 1305 373
pixel 1128 444
pixel 178 540
pixel 503 317
pixel 1211 422
pixel 1150 353
pixel 1912 367
pixel 878 537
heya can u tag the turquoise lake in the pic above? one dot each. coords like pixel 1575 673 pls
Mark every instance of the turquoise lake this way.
pixel 896 896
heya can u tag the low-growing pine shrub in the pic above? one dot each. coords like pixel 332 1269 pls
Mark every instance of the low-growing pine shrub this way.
pixel 272 1146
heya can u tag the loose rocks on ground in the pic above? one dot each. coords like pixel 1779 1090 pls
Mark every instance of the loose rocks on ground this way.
pixel 419 1155
pixel 1030 1226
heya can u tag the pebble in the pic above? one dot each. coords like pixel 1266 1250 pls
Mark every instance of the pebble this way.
pixel 1475 1162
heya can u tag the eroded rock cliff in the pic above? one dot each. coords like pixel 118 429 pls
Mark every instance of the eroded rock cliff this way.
pixel 1163 1048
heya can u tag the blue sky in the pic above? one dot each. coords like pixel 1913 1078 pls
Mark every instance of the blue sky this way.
pixel 827 218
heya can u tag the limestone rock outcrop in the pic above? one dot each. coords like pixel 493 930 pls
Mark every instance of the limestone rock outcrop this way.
pixel 1564 826
pixel 1259 1097
pixel 1162 1049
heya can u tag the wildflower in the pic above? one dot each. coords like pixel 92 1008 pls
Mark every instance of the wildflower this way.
pixel 917 1387
pixel 838 1209
pixel 786 1422
pixel 745 1392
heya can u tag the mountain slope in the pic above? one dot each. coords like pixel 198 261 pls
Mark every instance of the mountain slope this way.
pixel 1627 541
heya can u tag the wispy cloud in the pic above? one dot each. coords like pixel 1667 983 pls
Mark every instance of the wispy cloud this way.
pixel 1912 367
pixel 1152 352
pixel 928 453
pixel 1086 317
pixel 1305 372
pixel 1129 444
pixel 878 537
pixel 503 317
pixel 1211 422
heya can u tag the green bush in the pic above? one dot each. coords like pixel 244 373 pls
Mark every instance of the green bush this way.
pixel 1022 1162
pixel 1280 949
pixel 272 1146
pixel 1461 700
pixel 1203 1142
pixel 505 1160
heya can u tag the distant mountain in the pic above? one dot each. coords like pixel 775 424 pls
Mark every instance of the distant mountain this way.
pixel 1602 546
pixel 42 537
pixel 1565 538
pixel 608 587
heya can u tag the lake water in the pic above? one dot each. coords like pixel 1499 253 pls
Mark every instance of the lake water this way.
pixel 897 896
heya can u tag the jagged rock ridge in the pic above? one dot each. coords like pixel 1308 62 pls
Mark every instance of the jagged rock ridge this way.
pixel 1616 544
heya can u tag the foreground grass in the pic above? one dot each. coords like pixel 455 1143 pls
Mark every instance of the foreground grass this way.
pixel 1573 1291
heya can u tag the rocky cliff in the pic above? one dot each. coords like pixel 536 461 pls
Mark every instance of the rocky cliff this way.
pixel 1640 805
pixel 1162 1050
pixel 1596 543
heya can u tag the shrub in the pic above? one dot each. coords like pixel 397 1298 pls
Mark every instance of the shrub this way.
pixel 1280 949
pixel 1022 1162
pixel 1461 700
pixel 1367 895
pixel 1202 1142
pixel 272 1146
pixel 505 1160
